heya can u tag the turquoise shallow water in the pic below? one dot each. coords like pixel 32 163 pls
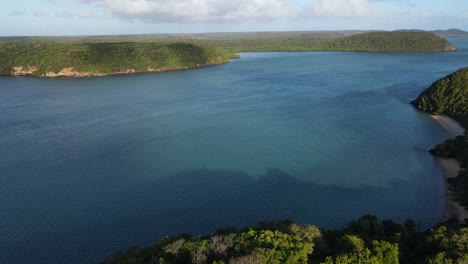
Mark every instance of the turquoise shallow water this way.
pixel 91 166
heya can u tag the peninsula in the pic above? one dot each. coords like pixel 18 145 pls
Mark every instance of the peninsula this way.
pixel 447 99
pixel 49 59
pixel 71 57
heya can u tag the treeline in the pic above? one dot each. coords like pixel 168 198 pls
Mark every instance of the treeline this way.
pixel 106 58
pixel 416 40
pixel 366 240
pixel 384 41
pixel 38 58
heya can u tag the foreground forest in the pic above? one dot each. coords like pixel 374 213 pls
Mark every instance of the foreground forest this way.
pixel 366 240
pixel 76 59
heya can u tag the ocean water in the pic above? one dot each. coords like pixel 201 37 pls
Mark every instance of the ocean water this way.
pixel 91 166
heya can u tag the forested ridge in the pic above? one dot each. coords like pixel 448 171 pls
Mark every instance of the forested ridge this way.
pixel 396 41
pixel 65 57
pixel 41 58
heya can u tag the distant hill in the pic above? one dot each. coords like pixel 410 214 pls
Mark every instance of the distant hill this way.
pixel 90 56
pixel 451 33
pixel 381 41
pixel 187 36
pixel 320 34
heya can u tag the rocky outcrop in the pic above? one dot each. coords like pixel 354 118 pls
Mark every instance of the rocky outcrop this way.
pixel 22 71
pixel 68 72
pixel 450 48
pixel 71 72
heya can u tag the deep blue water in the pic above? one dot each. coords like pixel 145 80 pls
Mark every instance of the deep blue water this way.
pixel 91 166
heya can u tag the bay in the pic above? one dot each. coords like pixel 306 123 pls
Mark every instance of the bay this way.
pixel 91 166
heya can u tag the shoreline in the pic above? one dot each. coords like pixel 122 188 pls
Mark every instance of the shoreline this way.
pixel 450 169
pixel 69 72
pixel 452 126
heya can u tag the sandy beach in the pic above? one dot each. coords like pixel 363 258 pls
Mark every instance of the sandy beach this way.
pixel 452 126
pixel 450 168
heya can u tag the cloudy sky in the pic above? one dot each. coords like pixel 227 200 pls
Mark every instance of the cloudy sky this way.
pixel 100 17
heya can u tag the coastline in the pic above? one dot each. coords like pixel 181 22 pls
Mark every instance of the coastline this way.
pixel 69 72
pixel 450 168
pixel 452 126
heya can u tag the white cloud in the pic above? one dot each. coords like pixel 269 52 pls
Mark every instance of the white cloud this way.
pixel 225 11
pixel 341 8
pixel 197 10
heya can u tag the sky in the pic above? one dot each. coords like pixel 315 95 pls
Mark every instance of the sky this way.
pixel 110 17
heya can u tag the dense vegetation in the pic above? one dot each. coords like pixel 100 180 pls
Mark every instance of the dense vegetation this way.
pixel 370 42
pixel 456 148
pixel 451 33
pixel 105 58
pixel 366 240
pixel 48 56
pixel 447 96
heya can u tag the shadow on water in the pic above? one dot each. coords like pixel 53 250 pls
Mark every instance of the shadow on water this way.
pixel 200 201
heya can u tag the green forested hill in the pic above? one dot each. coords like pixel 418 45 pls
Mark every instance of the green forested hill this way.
pixel 74 57
pixel 40 58
pixel 365 241
pixel 384 41
pixel 451 33
pixel 302 40
pixel 396 42
pixel 447 96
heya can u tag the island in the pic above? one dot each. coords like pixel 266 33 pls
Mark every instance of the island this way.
pixel 77 57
